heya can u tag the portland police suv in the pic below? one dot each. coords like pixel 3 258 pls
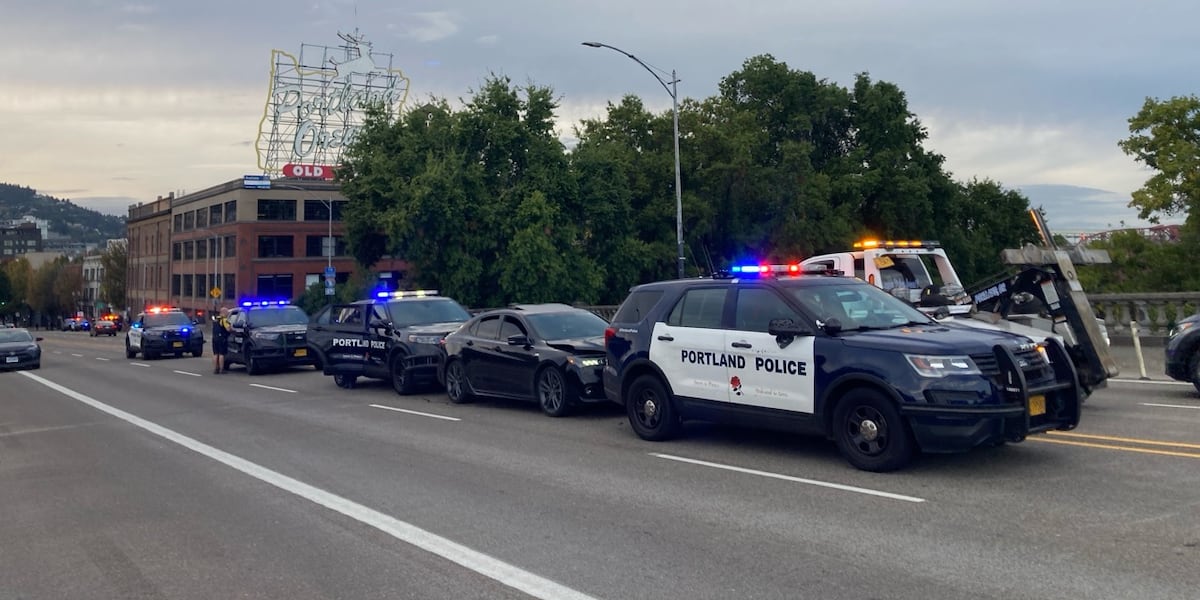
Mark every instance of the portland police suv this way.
pixel 771 346
pixel 267 334
pixel 396 336
pixel 163 330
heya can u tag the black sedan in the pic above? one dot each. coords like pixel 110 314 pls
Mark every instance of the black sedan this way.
pixel 19 350
pixel 548 353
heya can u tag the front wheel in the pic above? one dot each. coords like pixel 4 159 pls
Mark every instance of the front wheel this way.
pixel 199 352
pixel 345 382
pixel 129 351
pixel 650 410
pixel 253 365
pixel 1194 369
pixel 870 432
pixel 401 381
pixel 553 394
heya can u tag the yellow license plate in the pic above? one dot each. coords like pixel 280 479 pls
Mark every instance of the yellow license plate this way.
pixel 1037 405
pixel 301 352
pixel 177 344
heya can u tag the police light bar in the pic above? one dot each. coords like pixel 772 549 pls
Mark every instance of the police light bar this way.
pixel 406 294
pixel 871 244
pixel 250 303
pixel 160 309
pixel 764 269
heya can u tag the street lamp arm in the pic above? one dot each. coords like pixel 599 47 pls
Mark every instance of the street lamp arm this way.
pixel 664 83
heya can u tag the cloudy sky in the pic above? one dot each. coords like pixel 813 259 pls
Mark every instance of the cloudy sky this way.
pixel 110 103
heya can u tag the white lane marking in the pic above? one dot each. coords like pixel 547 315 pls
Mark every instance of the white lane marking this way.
pixel 267 387
pixel 76 355
pixel 486 565
pixel 1149 381
pixel 415 412
pixel 140 364
pixel 102 358
pixel 1170 405
pixel 187 373
pixel 836 486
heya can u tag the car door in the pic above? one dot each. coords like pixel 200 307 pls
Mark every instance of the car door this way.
pixel 479 351
pixel 134 335
pixel 379 337
pixel 238 336
pixel 689 346
pixel 513 364
pixel 770 372
pixel 343 340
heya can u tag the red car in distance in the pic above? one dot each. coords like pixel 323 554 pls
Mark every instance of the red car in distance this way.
pixel 104 328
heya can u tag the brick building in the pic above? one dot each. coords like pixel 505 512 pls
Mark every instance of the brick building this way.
pixel 148 231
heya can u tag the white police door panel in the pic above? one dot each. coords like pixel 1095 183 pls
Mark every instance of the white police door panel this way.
pixel 769 372
pixel 688 347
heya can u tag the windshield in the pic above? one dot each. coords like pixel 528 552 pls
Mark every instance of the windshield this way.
pixel 14 335
pixel 857 306
pixel 567 325
pixel 266 317
pixel 166 319
pixel 406 313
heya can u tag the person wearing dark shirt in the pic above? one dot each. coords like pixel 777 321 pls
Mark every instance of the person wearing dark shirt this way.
pixel 220 337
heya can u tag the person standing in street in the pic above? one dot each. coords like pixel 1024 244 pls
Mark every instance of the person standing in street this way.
pixel 220 337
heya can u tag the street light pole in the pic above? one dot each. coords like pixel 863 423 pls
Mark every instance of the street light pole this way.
pixel 672 90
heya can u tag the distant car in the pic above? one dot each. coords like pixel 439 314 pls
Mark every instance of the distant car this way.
pixel 19 349
pixel 104 328
pixel 70 325
pixel 552 354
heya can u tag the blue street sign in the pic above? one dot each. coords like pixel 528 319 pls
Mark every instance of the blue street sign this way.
pixel 330 272
pixel 256 182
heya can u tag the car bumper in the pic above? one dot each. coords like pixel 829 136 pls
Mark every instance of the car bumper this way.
pixel 12 363
pixel 168 346
pixel 288 356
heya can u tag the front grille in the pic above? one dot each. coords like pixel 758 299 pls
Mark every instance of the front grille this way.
pixel 295 339
pixel 1033 365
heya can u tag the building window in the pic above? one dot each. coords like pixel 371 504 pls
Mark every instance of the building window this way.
pixel 230 247
pixel 276 210
pixel 201 218
pixel 188 250
pixel 214 214
pixel 314 245
pixel 275 286
pixel 231 211
pixel 188 290
pixel 189 220
pixel 175 285
pixel 178 223
pixel 274 246
pixel 317 210
pixel 201 248
pixel 228 290
pixel 176 251
pixel 201 290
pixel 311 279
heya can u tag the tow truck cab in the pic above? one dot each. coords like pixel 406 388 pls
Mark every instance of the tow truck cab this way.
pixel 918 272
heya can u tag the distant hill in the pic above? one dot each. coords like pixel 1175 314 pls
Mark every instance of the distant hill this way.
pixel 66 218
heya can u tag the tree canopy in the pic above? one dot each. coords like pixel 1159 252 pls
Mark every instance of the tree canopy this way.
pixel 1165 136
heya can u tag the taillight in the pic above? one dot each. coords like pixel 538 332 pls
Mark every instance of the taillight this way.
pixel 609 332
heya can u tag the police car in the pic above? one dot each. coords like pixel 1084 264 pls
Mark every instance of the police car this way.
pixel 163 330
pixel 396 336
pixel 267 334
pixel 777 347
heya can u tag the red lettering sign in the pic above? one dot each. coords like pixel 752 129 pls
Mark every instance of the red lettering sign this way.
pixel 308 171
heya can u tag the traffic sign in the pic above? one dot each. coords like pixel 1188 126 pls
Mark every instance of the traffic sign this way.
pixel 330 272
pixel 256 182
pixel 215 292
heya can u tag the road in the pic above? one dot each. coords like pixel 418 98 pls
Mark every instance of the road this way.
pixel 158 479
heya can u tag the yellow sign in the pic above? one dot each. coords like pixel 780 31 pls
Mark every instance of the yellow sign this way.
pixel 883 262
pixel 215 292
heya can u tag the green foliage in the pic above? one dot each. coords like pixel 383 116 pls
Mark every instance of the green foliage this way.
pixel 1140 265
pixel 1165 136
pixel 115 261
pixel 80 224
pixel 7 299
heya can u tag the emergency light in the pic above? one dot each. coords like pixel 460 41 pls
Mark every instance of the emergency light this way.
pixel 406 294
pixel 251 303
pixel 872 244
pixel 761 269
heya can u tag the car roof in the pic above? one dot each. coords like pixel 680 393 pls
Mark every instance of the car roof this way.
pixel 548 307
pixel 802 280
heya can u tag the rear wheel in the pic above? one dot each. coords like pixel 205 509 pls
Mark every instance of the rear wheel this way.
pixel 651 413
pixel 129 351
pixel 344 381
pixel 1194 368
pixel 253 365
pixel 458 387
pixel 553 393
pixel 401 381
pixel 870 431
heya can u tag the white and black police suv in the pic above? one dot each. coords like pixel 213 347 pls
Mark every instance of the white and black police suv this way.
pixel 772 346
pixel 163 330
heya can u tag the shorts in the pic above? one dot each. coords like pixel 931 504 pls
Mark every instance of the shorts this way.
pixel 220 346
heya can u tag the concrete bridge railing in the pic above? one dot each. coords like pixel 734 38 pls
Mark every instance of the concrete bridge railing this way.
pixel 1155 313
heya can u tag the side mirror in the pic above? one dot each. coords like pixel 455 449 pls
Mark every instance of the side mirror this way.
pixel 519 340
pixel 38 339
pixel 832 326
pixel 786 327
pixel 941 313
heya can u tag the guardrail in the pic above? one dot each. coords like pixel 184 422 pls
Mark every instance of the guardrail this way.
pixel 1155 313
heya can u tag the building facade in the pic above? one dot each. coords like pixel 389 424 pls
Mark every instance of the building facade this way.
pixel 93 274
pixel 148 234
pixel 20 238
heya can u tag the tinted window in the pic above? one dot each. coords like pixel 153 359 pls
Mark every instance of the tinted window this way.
pixel 568 325
pixel 487 328
pixel 288 315
pixel 857 306
pixel 424 312
pixel 699 308
pixel 167 318
pixel 510 327
pixel 322 317
pixel 756 307
pixel 15 335
pixel 637 306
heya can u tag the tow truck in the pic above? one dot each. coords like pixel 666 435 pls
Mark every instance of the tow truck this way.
pixel 1039 296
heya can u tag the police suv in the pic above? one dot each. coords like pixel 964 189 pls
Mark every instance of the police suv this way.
pixel 777 347
pixel 163 330
pixel 267 334
pixel 395 336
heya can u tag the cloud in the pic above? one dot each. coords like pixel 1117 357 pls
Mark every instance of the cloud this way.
pixel 109 205
pixel 487 40
pixel 427 27
pixel 1076 209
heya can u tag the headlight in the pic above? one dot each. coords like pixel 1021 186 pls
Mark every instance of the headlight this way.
pixel 942 366
pixel 424 339
pixel 264 336
pixel 591 361
pixel 1180 328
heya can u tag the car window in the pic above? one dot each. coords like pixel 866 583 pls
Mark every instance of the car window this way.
pixel 487 328
pixel 15 335
pixel 567 325
pixel 511 327
pixel 856 306
pixel 322 316
pixel 166 318
pixel 700 307
pixel 406 313
pixel 757 306
pixel 287 315
pixel 637 306
pixel 350 315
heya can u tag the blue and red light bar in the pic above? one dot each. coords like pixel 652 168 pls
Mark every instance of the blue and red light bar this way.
pixel 406 294
pixel 792 268
pixel 251 303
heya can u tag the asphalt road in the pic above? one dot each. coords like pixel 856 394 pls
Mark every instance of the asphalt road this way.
pixel 157 479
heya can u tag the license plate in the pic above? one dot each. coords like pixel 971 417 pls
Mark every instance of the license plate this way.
pixel 1037 405
pixel 301 352
pixel 176 344
pixel 11 359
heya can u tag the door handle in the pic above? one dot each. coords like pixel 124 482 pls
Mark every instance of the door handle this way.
pixel 666 338
pixel 740 345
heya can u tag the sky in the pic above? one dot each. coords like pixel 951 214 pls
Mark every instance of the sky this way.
pixel 110 103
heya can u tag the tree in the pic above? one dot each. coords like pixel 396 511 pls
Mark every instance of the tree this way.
pixel 115 262
pixel 7 300
pixel 1165 136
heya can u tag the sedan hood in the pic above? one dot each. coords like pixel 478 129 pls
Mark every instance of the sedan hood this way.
pixel 934 339
pixel 593 345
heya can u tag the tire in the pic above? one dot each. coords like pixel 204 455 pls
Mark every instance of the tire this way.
pixel 870 432
pixel 553 393
pixel 198 352
pixel 253 365
pixel 650 410
pixel 344 381
pixel 1194 369
pixel 178 355
pixel 401 382
pixel 458 387
pixel 316 359
pixel 129 351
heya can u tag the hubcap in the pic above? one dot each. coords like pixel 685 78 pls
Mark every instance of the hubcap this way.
pixel 551 390
pixel 869 430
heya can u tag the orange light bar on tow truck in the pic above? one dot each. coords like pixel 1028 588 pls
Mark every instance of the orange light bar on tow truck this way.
pixel 872 244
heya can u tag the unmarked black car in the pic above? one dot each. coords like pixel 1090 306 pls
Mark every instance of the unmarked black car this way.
pixel 552 354
pixel 268 335
pixel 19 349
pixel 1183 351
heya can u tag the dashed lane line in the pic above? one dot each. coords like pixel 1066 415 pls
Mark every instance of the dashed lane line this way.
pixel 187 373
pixel 268 387
pixel 415 412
